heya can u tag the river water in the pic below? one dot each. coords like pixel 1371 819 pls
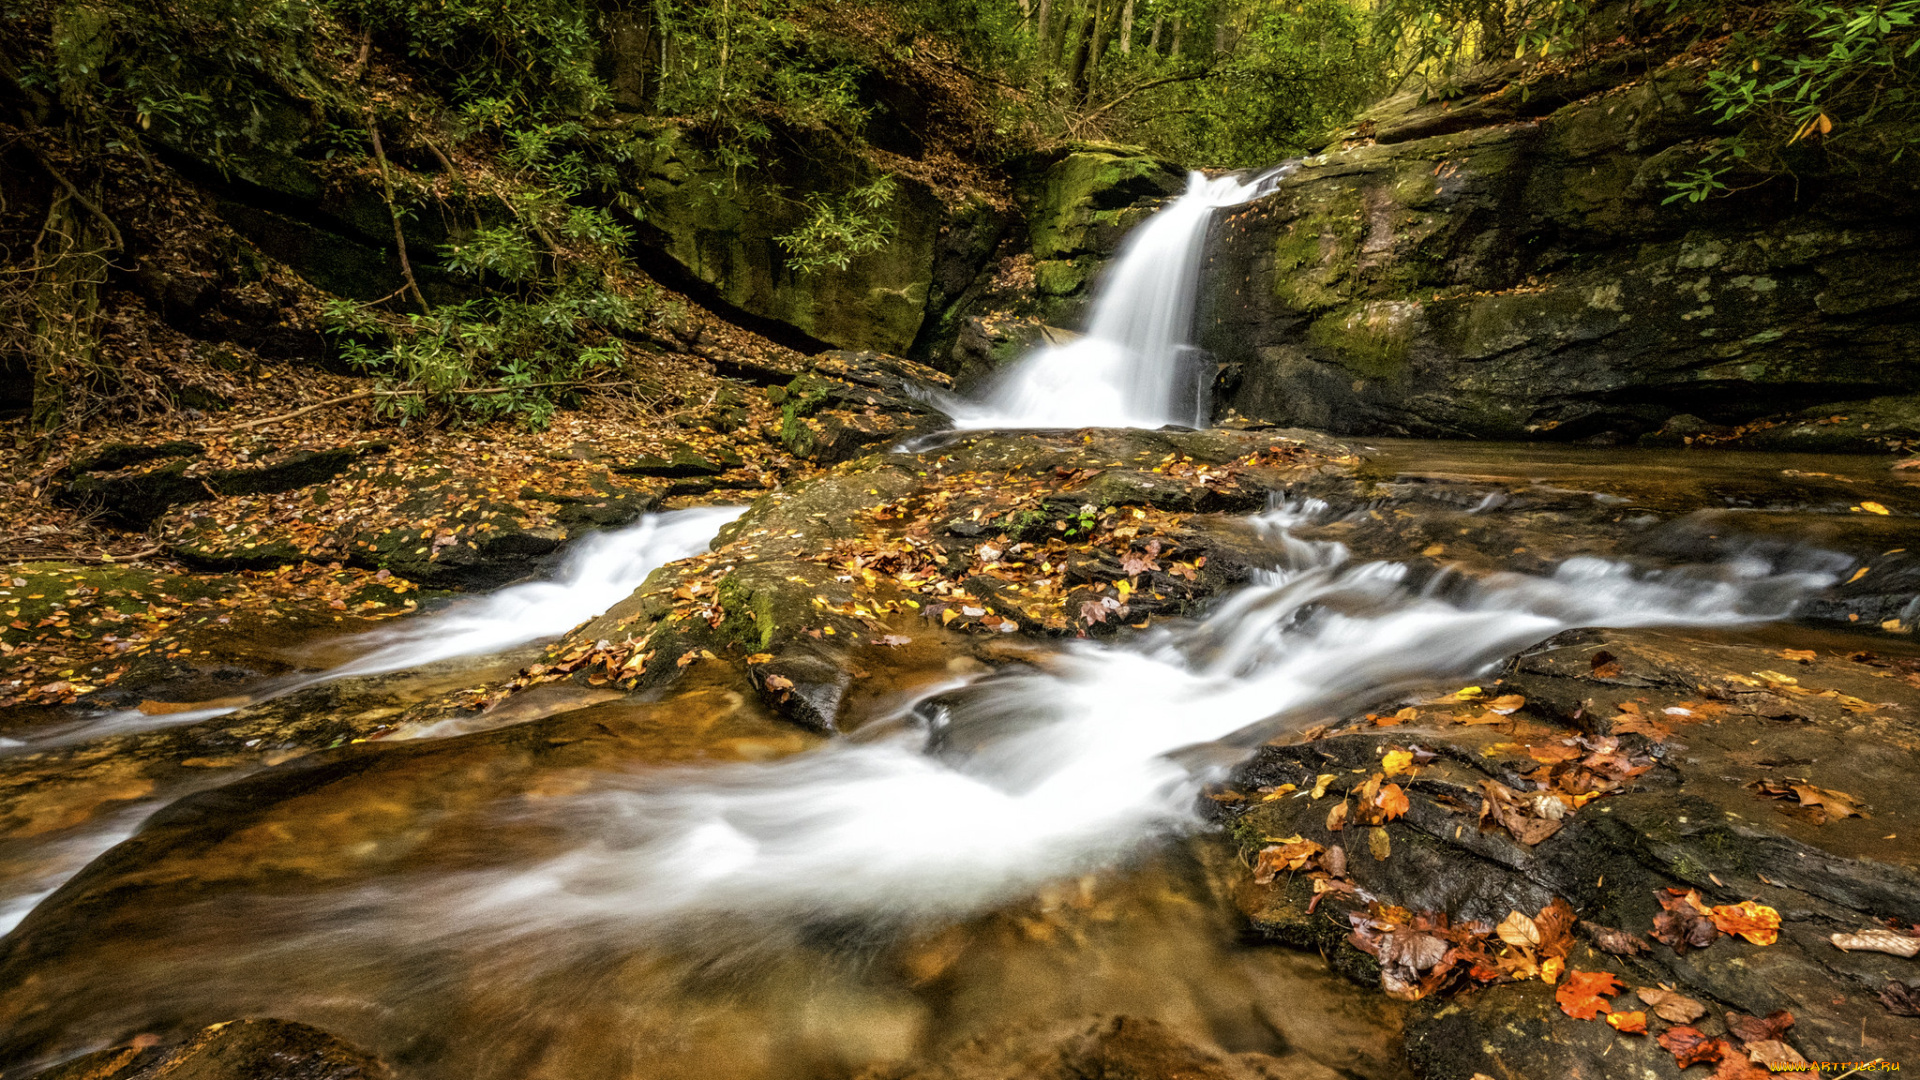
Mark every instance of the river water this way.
pixel 681 885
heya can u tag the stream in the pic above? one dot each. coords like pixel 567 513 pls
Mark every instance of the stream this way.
pixel 681 884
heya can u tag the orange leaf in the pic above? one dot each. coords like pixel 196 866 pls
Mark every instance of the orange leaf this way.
pixel 1581 995
pixel 1632 1023
pixel 1755 922
pixel 1391 801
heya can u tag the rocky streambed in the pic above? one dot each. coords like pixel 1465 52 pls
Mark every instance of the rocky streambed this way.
pixel 781 811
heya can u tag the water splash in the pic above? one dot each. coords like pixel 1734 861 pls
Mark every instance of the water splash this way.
pixel 1136 366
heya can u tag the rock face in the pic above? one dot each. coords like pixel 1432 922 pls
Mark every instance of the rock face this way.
pixel 1510 266
pixel 1076 204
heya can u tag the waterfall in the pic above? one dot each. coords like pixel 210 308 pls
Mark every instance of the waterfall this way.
pixel 1136 366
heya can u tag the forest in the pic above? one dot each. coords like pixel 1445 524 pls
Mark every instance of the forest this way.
pixel 958 539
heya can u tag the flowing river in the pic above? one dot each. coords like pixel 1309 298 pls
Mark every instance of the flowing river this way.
pixel 679 885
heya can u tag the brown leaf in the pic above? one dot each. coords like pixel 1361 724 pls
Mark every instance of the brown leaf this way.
pixel 1734 1065
pixel 1605 665
pixel 1689 1045
pixel 1900 999
pixel 1682 924
pixel 1749 1029
pixel 1337 817
pixel 1879 940
pixel 1506 703
pixel 1827 805
pixel 1555 922
pixel 1774 1054
pixel 1670 1005
pixel 1617 942
pixel 1581 996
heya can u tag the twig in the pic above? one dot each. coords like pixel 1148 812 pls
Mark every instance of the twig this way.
pixel 1861 1068
pixel 393 211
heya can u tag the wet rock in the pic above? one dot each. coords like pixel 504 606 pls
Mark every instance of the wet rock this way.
pixel 1509 266
pixel 850 402
pixel 790 592
pixel 1697 818
pixel 135 499
pixel 434 521
pixel 236 1050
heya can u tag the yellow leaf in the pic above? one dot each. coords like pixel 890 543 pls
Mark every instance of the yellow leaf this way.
pixel 1550 970
pixel 1279 792
pixel 1396 762
pixel 1320 783
pixel 1874 508
pixel 1858 574
pixel 1468 693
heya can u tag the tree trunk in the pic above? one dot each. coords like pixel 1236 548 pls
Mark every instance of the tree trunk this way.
pixel 1153 39
pixel 1040 25
pixel 1126 29
pixel 1083 53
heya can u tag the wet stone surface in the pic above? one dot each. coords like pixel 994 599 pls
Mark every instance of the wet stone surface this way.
pixel 1759 764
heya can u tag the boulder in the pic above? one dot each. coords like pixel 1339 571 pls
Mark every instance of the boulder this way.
pixel 1514 265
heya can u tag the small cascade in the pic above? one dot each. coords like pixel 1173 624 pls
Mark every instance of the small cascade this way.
pixel 1136 366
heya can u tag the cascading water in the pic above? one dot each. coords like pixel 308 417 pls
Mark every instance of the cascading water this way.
pixel 598 571
pixel 1136 366
pixel 604 568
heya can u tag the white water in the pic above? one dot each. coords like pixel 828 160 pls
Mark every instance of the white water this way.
pixel 1038 775
pixel 601 570
pixel 1136 366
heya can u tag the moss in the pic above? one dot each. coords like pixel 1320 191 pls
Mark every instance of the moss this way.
pixel 1372 340
pixel 1057 277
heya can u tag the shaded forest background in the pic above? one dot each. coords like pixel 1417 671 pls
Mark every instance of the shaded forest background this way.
pixel 534 125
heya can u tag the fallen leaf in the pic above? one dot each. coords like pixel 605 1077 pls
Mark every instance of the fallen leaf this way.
pixel 1293 853
pixel 1506 703
pixel 1582 995
pixel 1605 665
pixel 1320 783
pixel 1392 801
pixel 1774 1054
pixel 1379 844
pixel 1689 1045
pixel 1751 1029
pixel 1878 940
pixel 1617 942
pixel 1755 922
pixel 1337 817
pixel 1670 1005
pixel 1684 924
pixel 1875 508
pixel 1395 762
pixel 1519 931
pixel 1900 999
pixel 1631 1023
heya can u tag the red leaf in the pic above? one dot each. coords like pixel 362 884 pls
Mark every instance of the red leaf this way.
pixel 1581 995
